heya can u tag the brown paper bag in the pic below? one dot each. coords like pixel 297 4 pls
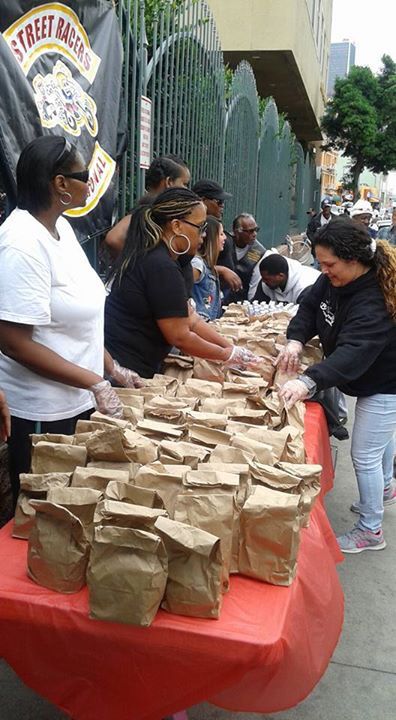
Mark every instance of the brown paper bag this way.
pixel 179 367
pixel 96 478
pixel 309 487
pixel 133 494
pixel 213 512
pixel 58 548
pixel 222 405
pixel 89 426
pixel 209 420
pixel 224 454
pixel 200 388
pixel 108 420
pixel 276 440
pixel 208 436
pixel 294 449
pixel 209 478
pixel 208 370
pixel 242 470
pixel 34 487
pixel 130 467
pixel 194 570
pixel 269 536
pixel 130 397
pixel 81 502
pixel 182 453
pixel 52 438
pixel 121 514
pixel 81 438
pixel 154 428
pixel 238 391
pixel 207 481
pixel 170 384
pixel 57 457
pixel 252 417
pixel 118 445
pixel 262 452
pixel 167 480
pixel 126 575
pixel 171 410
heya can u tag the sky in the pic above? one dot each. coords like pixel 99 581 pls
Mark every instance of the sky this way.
pixel 372 27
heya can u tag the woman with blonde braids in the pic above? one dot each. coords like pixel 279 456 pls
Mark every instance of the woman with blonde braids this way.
pixel 352 307
pixel 147 311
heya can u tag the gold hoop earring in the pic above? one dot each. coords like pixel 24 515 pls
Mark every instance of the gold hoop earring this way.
pixel 177 252
pixel 68 201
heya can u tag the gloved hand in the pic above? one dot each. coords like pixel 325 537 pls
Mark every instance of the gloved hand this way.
pixel 288 359
pixel 125 377
pixel 292 391
pixel 241 358
pixel 107 401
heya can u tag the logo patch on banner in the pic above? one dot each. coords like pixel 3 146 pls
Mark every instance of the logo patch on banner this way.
pixel 52 28
pixel 54 49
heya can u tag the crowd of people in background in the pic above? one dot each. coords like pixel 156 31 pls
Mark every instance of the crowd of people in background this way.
pixel 67 340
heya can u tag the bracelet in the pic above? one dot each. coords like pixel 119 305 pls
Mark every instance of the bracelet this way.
pixel 309 383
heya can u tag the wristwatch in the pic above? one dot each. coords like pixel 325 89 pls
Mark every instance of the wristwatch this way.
pixel 309 383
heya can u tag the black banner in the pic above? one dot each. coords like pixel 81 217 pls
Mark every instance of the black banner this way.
pixel 61 68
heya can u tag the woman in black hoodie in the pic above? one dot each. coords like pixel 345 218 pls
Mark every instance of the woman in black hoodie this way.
pixel 352 307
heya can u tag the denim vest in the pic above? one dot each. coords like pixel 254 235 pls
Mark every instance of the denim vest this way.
pixel 206 293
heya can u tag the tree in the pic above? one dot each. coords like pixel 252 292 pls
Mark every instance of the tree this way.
pixel 360 120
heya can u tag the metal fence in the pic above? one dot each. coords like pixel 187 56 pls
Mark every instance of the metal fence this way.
pixel 173 56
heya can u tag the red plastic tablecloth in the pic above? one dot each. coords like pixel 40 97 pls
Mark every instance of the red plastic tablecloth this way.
pixel 266 653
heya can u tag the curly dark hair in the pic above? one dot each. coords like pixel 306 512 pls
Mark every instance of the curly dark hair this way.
pixel 349 240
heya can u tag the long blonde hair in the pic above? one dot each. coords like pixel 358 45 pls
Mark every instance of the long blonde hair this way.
pixel 209 250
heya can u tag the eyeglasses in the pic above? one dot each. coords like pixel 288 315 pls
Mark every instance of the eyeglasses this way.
pixel 250 231
pixel 220 203
pixel 202 228
pixel 81 176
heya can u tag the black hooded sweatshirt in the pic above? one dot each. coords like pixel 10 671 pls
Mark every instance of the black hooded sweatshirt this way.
pixel 357 334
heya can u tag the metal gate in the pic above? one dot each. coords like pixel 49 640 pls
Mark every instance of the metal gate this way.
pixel 178 63
pixel 241 144
pixel 173 56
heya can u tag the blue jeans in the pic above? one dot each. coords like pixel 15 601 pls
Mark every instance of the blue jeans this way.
pixel 372 453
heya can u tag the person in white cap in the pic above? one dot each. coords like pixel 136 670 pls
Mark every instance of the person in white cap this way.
pixel 362 212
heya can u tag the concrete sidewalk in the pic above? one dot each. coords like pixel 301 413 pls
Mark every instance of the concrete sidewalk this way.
pixel 361 679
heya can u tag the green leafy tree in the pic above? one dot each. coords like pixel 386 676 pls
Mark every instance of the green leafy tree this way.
pixel 360 120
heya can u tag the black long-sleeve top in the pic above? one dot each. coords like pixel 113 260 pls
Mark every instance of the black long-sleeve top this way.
pixel 357 334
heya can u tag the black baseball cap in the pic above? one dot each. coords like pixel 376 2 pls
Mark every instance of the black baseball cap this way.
pixel 211 190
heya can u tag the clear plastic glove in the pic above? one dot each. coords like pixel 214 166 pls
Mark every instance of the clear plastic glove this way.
pixel 289 357
pixel 125 377
pixel 5 419
pixel 107 401
pixel 241 358
pixel 292 391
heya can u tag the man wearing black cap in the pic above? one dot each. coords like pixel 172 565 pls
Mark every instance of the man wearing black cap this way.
pixel 320 219
pixel 214 196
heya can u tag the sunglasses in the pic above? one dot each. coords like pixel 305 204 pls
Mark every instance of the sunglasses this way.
pixel 250 231
pixel 218 202
pixel 202 228
pixel 81 176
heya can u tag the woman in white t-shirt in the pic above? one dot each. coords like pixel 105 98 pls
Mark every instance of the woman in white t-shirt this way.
pixel 52 356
